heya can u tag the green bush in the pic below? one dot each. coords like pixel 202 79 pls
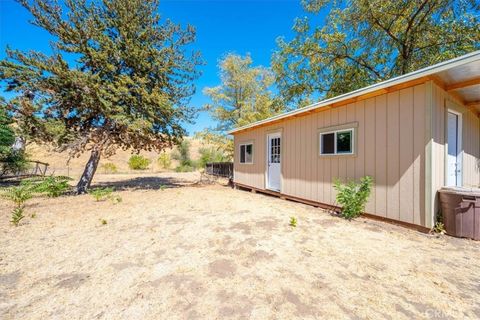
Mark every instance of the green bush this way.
pixel 138 162
pixel 164 160
pixel 14 162
pixel 210 155
pixel 353 196
pixel 101 193
pixel 52 186
pixel 109 168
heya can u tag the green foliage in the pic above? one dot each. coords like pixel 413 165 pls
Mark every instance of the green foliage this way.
pixel 293 222
pixel 17 216
pixel 243 96
pixel 138 162
pixel 109 168
pixel 100 194
pixel 19 194
pixel 353 196
pixel 14 162
pixel 363 42
pixel 51 186
pixel 222 143
pixel 210 154
pixel 439 228
pixel 162 187
pixel 103 222
pixel 164 160
pixel 127 88
pixel 182 154
pixel 7 136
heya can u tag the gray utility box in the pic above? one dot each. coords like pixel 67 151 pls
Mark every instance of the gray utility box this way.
pixel 461 212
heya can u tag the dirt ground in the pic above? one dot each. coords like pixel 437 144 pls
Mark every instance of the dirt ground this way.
pixel 190 251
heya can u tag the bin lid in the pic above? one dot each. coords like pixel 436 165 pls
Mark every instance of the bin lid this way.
pixel 469 191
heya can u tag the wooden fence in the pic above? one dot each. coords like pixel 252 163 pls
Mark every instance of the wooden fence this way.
pixel 220 169
pixel 34 168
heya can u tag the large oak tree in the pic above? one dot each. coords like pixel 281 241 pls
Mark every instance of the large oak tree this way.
pixel 119 77
pixel 366 41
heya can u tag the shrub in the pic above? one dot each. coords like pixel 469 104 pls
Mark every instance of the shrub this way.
pixel 164 160
pixel 353 196
pixel 52 186
pixel 138 162
pixel 14 162
pixel 101 193
pixel 109 168
pixel 210 155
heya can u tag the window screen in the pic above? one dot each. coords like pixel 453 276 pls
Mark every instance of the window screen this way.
pixel 248 153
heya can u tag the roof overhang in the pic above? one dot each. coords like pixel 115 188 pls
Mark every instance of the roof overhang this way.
pixel 459 76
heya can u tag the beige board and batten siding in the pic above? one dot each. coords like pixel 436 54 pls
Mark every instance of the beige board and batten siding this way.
pixel 390 146
pixel 442 101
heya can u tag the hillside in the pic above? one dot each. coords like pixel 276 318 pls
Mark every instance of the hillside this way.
pixel 58 161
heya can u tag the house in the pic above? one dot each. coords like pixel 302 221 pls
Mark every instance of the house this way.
pixel 413 134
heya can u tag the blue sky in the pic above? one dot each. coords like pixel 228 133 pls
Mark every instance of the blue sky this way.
pixel 222 26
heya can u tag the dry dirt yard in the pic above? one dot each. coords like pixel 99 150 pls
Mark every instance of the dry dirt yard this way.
pixel 210 252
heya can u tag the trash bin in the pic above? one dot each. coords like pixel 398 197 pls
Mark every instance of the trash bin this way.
pixel 461 211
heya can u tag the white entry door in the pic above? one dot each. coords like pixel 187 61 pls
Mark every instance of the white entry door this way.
pixel 274 161
pixel 454 160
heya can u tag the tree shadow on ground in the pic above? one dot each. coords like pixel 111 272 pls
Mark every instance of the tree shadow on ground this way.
pixel 145 183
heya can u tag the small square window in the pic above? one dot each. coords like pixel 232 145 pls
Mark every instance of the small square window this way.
pixel 246 153
pixel 337 142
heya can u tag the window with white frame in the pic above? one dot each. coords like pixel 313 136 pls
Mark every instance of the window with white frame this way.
pixel 246 153
pixel 338 142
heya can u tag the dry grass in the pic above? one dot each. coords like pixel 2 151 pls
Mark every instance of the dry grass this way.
pixel 211 252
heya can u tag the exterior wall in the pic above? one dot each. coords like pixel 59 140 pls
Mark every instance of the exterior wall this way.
pixel 391 140
pixel 470 142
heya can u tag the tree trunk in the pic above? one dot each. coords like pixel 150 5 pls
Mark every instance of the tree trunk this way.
pixel 88 172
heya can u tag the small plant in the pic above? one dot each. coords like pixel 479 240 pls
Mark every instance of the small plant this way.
pixel 164 160
pixel 353 196
pixel 103 221
pixel 17 216
pixel 293 222
pixel 162 187
pixel 439 228
pixel 33 215
pixel 19 194
pixel 109 168
pixel 115 198
pixel 138 162
pixel 101 193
